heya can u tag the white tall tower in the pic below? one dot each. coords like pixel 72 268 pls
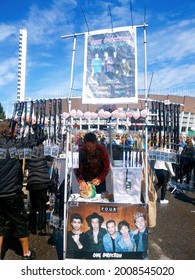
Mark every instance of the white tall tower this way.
pixel 22 65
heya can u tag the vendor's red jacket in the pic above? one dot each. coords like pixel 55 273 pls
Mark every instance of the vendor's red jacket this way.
pixel 93 166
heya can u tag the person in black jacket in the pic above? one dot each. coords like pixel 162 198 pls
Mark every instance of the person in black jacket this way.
pixel 11 183
pixel 38 183
pixel 186 161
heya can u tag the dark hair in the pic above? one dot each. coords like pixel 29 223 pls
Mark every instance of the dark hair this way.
pixel 76 216
pixel 189 141
pixel 122 224
pixel 110 221
pixel 90 137
pixel 94 216
pixel 7 127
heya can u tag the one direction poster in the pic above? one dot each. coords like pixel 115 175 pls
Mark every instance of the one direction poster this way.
pixel 106 231
pixel 110 67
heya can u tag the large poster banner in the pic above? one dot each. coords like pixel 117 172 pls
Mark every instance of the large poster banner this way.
pixel 106 231
pixel 110 66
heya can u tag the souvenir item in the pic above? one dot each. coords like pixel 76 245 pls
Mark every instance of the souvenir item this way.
pixel 89 192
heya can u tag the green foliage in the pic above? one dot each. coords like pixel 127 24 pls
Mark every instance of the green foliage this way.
pixel 2 113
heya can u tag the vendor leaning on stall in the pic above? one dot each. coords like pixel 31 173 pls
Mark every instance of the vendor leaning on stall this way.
pixel 94 164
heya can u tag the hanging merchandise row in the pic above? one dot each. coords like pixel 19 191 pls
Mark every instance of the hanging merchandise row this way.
pixel 165 125
pixel 34 129
pixel 41 119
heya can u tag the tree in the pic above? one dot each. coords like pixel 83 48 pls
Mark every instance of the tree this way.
pixel 2 113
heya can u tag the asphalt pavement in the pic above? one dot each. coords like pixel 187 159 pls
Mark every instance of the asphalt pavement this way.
pixel 173 237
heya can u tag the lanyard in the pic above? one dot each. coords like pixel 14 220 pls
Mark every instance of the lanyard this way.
pixel 20 109
pixel 40 117
pixel 171 126
pixel 164 139
pixel 152 130
pixel 177 126
pixel 160 124
pixel 54 112
pixel 44 113
pixel 155 122
pixel 13 117
pixel 60 119
pixel 30 120
pixel 36 117
pixel 50 110
pixel 167 125
pixel 25 116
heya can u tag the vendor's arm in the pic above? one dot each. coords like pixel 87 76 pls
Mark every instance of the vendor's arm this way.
pixel 81 181
pixel 82 185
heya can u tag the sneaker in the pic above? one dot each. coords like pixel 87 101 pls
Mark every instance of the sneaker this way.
pixel 30 257
pixel 164 201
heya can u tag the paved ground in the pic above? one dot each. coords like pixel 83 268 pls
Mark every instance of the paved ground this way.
pixel 172 238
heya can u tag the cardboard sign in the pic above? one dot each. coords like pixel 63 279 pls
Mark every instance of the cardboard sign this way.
pixel 91 227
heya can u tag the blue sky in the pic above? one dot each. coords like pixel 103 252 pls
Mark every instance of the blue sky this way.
pixel 170 43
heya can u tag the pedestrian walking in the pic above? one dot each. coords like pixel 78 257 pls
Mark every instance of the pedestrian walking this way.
pixel 163 170
pixel 186 161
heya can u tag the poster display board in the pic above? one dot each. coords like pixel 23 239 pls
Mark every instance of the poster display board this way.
pixel 91 226
pixel 110 67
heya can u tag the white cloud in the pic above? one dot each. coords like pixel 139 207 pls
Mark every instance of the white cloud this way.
pixel 6 31
pixel 8 71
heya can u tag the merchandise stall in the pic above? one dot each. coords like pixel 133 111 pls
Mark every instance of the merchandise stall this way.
pixel 122 201
pixel 126 199
pixel 127 190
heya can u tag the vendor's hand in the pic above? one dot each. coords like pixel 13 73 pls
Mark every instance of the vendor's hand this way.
pixel 96 181
pixel 82 185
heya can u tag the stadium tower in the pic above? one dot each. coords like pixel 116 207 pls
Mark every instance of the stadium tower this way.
pixel 22 65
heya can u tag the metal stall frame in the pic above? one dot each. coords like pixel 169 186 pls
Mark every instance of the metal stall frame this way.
pixel 75 35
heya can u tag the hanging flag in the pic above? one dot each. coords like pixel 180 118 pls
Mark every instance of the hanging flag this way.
pixel 110 67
